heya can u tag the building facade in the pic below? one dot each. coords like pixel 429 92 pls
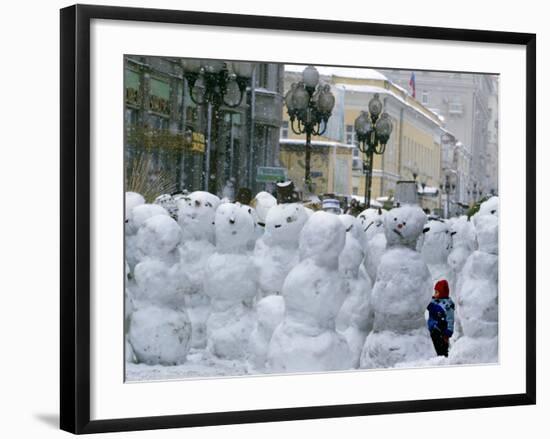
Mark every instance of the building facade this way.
pixel 166 132
pixel 467 104
pixel 414 147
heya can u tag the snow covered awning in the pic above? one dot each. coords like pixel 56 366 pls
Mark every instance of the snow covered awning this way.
pixel 428 191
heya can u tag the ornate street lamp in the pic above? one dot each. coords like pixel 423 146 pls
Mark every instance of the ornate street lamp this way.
pixel 216 83
pixel 373 129
pixel 309 106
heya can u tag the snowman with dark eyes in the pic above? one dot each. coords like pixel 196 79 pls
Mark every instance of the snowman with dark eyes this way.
pixel 372 223
pixel 477 293
pixel 275 254
pixel 436 248
pixel 195 214
pixel 402 290
pixel 231 283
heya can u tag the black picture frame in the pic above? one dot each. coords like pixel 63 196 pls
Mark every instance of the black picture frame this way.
pixel 75 217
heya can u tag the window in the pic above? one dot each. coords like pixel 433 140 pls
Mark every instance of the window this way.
pixel 355 152
pixel 350 135
pixel 455 105
pixel 284 130
pixel 424 97
pixel 355 190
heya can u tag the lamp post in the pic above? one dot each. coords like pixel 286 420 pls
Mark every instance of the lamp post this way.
pixel 309 106
pixel 373 129
pixel 448 186
pixel 215 83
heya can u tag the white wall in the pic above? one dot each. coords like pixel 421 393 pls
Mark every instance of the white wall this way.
pixel 29 233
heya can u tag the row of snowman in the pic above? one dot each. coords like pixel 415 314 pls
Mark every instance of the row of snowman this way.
pixel 286 289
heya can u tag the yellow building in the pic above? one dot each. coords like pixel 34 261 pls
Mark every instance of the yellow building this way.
pixel 414 147
pixel 331 165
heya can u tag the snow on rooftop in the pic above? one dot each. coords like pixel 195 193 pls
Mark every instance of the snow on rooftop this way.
pixel 344 72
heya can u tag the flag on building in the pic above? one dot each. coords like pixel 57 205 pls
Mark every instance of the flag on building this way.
pixel 412 85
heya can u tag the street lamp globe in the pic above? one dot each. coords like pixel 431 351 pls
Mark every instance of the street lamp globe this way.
pixel 310 77
pixel 243 69
pixel 384 127
pixel 198 91
pixel 191 65
pixel 362 124
pixel 289 98
pixel 300 97
pixel 375 106
pixel 212 65
pixel 232 93
pixel 326 99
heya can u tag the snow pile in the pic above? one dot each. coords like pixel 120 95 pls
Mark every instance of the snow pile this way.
pixel 401 293
pixel 314 292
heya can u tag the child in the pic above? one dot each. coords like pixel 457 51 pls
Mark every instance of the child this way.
pixel 441 319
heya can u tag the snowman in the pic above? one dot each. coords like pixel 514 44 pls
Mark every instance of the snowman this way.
pixel 276 253
pixel 230 281
pixel 128 311
pixel 477 291
pixel 372 222
pixel 269 314
pixel 262 203
pixel 436 248
pixel 400 295
pixel 314 291
pixel 132 199
pixel 169 203
pixel 464 242
pixel 355 318
pixel 135 220
pixel 196 213
pixel 159 330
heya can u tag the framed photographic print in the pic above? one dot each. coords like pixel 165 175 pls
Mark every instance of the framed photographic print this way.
pixel 252 235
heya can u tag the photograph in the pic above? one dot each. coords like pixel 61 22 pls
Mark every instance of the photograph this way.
pixel 297 219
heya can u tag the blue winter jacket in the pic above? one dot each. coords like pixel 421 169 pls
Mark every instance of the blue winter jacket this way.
pixel 442 316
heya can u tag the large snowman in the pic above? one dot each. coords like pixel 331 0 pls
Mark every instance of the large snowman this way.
pixel 314 292
pixel 372 222
pixel 159 329
pixel 400 295
pixel 355 318
pixel 477 288
pixel 436 248
pixel 276 253
pixel 196 213
pixel 230 281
